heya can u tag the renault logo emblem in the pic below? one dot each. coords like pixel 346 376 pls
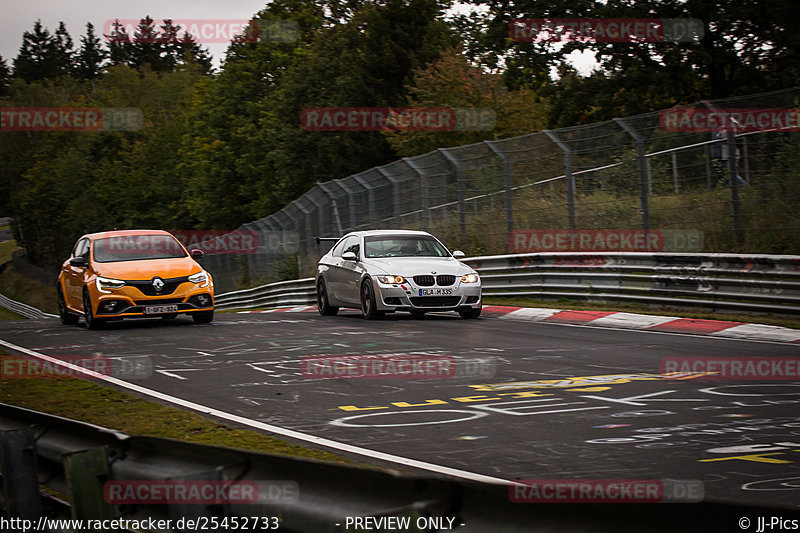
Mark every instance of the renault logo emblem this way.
pixel 158 284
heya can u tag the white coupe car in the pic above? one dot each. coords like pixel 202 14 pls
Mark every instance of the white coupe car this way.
pixel 383 271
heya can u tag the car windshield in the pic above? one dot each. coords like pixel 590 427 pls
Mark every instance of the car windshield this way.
pixel 137 248
pixel 403 246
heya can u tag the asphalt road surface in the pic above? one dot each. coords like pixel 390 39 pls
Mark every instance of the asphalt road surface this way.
pixel 501 398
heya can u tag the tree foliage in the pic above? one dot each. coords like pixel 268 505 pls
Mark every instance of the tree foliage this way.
pixel 218 149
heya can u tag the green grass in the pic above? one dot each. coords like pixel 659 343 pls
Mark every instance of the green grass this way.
pixel 87 401
pixel 5 314
pixel 6 249
pixel 17 287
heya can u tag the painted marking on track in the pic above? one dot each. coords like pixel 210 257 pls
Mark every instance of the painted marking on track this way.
pixel 343 447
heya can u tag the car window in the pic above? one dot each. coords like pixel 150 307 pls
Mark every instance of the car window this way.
pixel 351 245
pixel 137 248
pixel 81 249
pixel 337 250
pixel 403 246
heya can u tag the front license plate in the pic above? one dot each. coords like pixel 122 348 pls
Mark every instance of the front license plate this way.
pixel 159 309
pixel 436 292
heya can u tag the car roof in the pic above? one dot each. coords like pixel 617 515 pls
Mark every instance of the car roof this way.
pixel 369 233
pixel 125 233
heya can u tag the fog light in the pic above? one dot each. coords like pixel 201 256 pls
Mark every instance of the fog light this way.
pixel 202 300
pixel 110 306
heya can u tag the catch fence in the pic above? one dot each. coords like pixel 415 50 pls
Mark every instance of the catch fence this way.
pixel 667 171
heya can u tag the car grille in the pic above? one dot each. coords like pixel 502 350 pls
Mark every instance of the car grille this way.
pixel 424 281
pixel 435 301
pixel 443 280
pixel 146 286
pixel 162 301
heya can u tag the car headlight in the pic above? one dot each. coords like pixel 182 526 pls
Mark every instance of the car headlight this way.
pixel 470 278
pixel 391 280
pixel 106 285
pixel 200 278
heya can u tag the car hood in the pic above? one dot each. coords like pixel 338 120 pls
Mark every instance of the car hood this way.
pixel 148 269
pixel 412 266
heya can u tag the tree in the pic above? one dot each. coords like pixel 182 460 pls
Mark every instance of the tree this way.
pixel 119 44
pixel 452 81
pixel 364 62
pixel 226 172
pixel 90 57
pixel 43 55
pixel 5 77
pixel 746 47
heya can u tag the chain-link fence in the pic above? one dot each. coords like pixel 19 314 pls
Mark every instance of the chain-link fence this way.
pixel 660 181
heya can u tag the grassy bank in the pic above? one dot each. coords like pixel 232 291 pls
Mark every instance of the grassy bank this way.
pixel 90 402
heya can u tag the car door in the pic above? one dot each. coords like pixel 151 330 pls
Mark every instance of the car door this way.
pixel 350 272
pixel 329 268
pixel 74 275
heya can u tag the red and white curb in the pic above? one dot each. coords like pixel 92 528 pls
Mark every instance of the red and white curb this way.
pixel 613 319
pixel 671 324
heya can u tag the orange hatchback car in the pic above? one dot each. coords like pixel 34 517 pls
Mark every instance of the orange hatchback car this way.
pixel 133 274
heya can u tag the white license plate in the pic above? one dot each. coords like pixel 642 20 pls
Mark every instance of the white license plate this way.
pixel 159 309
pixel 436 292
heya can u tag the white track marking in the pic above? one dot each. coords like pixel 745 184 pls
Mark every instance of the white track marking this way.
pixel 439 469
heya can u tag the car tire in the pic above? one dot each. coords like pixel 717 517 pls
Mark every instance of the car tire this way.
pixel 324 308
pixel 472 313
pixel 369 308
pixel 203 317
pixel 67 318
pixel 88 315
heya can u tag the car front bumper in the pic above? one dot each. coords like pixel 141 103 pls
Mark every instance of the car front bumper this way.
pixel 129 302
pixel 409 297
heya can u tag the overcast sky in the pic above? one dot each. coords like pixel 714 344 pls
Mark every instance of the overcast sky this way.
pixel 19 16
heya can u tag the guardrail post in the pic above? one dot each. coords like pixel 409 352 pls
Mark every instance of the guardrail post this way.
pixel 733 167
pixel 19 468
pixel 568 177
pixel 644 172
pixel 508 192
pixel 733 171
pixel 462 221
pixel 86 473
pixel 423 190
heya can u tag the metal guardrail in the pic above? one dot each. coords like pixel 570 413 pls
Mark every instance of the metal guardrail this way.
pixel 296 292
pixel 23 309
pixel 756 283
pixel 760 283
pixel 56 467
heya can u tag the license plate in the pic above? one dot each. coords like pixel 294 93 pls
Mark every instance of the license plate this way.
pixel 160 309
pixel 436 292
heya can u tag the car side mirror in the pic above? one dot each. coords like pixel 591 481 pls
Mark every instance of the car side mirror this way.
pixel 349 256
pixel 79 261
pixel 196 253
pixel 458 254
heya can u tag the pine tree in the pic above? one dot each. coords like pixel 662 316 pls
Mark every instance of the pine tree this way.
pixel 5 77
pixel 43 55
pixel 119 44
pixel 148 47
pixel 63 49
pixel 90 57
